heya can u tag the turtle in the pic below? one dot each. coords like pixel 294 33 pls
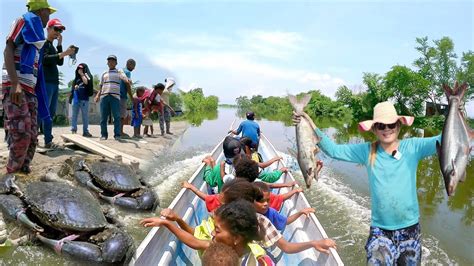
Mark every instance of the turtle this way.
pixel 67 219
pixel 116 183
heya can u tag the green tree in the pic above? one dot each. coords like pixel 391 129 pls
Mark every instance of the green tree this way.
pixel 466 73
pixel 344 95
pixel 409 90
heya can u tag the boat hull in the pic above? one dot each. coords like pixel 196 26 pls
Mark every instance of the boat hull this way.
pixel 160 247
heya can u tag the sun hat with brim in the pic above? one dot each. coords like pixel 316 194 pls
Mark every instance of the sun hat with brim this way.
pixel 385 113
pixel 34 5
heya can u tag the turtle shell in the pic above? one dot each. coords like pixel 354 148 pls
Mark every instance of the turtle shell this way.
pixel 64 207
pixel 114 176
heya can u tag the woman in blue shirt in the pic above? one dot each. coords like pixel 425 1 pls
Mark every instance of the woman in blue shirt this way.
pixel 80 93
pixel 391 164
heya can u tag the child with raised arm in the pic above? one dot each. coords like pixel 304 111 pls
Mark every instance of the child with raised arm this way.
pixel 276 200
pixel 244 191
pixel 278 220
pixel 234 224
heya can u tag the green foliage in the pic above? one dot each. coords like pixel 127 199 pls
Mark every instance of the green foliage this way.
pixel 195 101
pixel 175 101
pixel 279 109
pixel 434 123
pixel 438 66
pixel 408 89
pixel 466 72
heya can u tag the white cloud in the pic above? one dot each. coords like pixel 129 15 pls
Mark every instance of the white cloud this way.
pixel 247 62
pixel 251 77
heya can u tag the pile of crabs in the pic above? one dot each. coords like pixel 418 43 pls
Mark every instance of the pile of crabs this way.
pixel 62 211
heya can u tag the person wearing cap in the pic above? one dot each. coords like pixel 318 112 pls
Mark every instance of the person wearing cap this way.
pixel 52 58
pixel 23 84
pixel 124 115
pixel 391 164
pixel 249 129
pixel 109 95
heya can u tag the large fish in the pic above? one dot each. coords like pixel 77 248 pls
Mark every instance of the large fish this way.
pixel 306 141
pixel 454 151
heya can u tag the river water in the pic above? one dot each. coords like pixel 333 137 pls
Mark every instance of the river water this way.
pixel 340 197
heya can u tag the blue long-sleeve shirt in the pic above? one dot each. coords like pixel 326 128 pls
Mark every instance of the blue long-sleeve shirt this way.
pixel 392 182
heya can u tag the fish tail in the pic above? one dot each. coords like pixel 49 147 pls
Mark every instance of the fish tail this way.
pixel 299 105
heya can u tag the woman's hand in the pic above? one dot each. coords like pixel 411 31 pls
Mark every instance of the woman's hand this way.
pixel 296 118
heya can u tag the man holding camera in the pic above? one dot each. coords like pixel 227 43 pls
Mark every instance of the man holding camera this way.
pixel 52 58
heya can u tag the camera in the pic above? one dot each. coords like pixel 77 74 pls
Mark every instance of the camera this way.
pixel 76 50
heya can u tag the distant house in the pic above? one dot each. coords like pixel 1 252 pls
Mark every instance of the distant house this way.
pixel 431 108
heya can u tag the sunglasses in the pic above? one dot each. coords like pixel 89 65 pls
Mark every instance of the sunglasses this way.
pixel 381 126
pixel 56 29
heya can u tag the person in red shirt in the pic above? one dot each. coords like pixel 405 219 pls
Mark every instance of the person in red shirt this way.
pixel 276 200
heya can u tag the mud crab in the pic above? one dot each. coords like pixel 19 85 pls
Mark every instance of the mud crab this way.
pixel 66 219
pixel 115 183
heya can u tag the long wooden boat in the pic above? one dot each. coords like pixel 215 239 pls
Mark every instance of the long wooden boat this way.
pixel 160 247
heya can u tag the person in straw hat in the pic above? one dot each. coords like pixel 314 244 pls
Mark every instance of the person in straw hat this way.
pixel 394 236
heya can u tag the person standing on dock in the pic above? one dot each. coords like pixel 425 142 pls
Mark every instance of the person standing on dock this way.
pixel 23 84
pixel 124 91
pixel 52 58
pixel 109 96
pixel 395 236
pixel 167 110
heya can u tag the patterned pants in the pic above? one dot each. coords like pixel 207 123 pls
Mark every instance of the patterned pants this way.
pixel 21 122
pixel 397 247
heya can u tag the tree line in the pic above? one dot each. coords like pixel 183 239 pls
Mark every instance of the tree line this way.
pixel 409 88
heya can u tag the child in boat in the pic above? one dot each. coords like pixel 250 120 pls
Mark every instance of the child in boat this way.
pixel 137 112
pixel 248 169
pixel 275 201
pixel 215 175
pixel 219 254
pixel 278 220
pixel 234 224
pixel 246 191
pixel 214 201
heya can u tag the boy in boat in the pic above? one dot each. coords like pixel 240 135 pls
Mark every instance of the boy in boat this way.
pixel 249 129
pixel 248 169
pixel 214 201
pixel 263 207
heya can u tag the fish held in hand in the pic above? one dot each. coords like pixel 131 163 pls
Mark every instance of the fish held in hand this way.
pixel 454 150
pixel 306 141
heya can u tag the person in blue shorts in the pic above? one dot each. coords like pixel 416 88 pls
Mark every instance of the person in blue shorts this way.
pixel 391 164
pixel 249 129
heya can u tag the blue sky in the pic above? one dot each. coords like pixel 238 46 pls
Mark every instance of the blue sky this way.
pixel 233 48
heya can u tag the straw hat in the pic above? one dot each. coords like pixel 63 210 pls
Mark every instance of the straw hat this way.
pixel 385 113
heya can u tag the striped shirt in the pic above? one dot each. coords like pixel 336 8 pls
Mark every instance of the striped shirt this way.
pixel 271 234
pixel 110 82
pixel 27 81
